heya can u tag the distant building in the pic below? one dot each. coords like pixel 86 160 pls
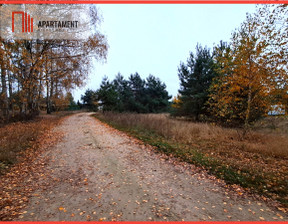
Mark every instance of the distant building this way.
pixel 276 110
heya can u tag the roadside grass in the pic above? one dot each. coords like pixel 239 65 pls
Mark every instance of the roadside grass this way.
pixel 16 137
pixel 256 161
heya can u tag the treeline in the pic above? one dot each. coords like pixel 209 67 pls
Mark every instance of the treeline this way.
pixel 133 95
pixel 39 74
pixel 238 82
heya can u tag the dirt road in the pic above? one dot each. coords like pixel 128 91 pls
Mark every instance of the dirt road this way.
pixel 98 173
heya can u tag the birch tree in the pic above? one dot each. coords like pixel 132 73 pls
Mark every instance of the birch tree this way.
pixel 241 93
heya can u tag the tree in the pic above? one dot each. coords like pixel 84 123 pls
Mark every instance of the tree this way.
pixel 72 104
pixel 107 95
pixel 137 86
pixel 90 100
pixel 176 102
pixel 125 99
pixel 273 27
pixel 195 79
pixel 241 93
pixel 37 69
pixel 156 95
pixel 3 69
pixel 133 95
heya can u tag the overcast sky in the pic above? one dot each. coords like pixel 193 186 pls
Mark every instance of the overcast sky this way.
pixel 154 39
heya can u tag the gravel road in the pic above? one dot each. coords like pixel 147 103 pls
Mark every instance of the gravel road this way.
pixel 98 173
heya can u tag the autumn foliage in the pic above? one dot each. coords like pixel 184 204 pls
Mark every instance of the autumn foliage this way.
pixel 22 163
pixel 16 137
pixel 250 72
pixel 36 74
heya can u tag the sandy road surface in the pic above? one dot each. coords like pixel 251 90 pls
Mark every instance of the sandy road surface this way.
pixel 97 173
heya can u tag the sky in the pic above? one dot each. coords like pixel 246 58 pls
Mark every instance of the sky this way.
pixel 154 39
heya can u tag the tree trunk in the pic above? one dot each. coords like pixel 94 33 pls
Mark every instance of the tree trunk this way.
pixel 51 93
pixel 48 101
pixel 4 98
pixel 248 111
pixel 11 105
pixel 29 88
pixel 39 93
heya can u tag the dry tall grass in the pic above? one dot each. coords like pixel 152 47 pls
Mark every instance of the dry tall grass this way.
pixel 189 132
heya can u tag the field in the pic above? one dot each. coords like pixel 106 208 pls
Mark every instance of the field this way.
pixel 255 160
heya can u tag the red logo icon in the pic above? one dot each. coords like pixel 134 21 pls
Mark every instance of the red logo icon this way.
pixel 27 22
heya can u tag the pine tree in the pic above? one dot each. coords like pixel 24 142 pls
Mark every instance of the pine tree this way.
pixel 137 86
pixel 90 100
pixel 125 95
pixel 107 95
pixel 195 79
pixel 156 95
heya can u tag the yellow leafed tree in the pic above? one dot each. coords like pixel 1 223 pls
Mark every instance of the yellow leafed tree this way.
pixel 244 90
pixel 33 71
pixel 176 102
